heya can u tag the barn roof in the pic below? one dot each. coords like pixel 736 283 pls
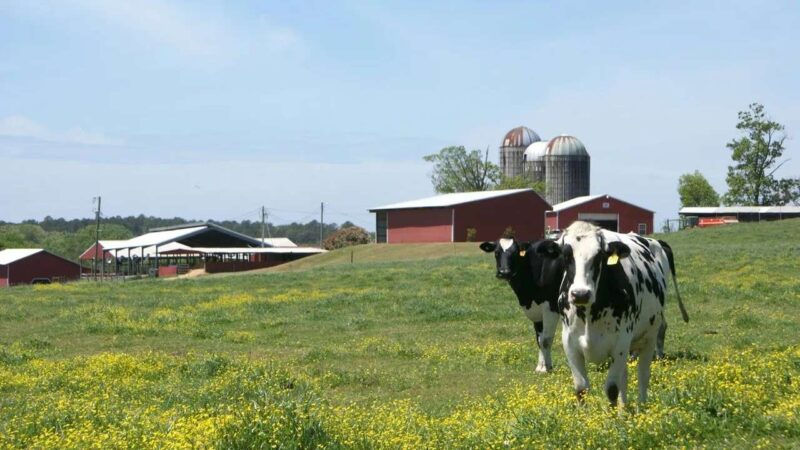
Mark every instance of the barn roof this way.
pixel 740 210
pixel 194 235
pixel 279 242
pixel 11 255
pixel 586 199
pixel 444 200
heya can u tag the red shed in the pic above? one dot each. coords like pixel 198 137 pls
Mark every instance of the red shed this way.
pixel 32 265
pixel 606 211
pixel 448 217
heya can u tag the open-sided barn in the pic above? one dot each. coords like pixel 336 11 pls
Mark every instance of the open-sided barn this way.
pixel 450 217
pixel 34 265
pixel 604 210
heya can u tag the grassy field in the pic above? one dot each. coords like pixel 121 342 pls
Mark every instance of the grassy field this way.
pixel 402 348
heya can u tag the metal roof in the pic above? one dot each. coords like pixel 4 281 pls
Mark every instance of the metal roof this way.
pixel 11 255
pixel 444 200
pixel 191 235
pixel 520 137
pixel 740 210
pixel 249 250
pixel 566 146
pixel 279 242
pixel 588 198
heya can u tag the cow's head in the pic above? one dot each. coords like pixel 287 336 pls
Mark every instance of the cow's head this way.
pixel 586 254
pixel 509 256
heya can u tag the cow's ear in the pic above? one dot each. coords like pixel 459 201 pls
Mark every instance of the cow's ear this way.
pixel 488 247
pixel 548 249
pixel 618 248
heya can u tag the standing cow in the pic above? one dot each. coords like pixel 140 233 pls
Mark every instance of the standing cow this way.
pixel 611 300
pixel 535 279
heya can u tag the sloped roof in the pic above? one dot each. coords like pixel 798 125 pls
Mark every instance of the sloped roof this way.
pixel 11 255
pixel 444 200
pixel 279 242
pixel 205 234
pixel 740 210
pixel 588 198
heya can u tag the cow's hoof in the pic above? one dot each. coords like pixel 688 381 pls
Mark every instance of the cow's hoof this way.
pixel 542 369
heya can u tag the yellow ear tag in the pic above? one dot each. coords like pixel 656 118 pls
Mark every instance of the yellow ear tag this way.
pixel 612 259
pixel 522 253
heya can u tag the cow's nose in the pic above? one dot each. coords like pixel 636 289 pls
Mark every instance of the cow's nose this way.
pixel 580 295
pixel 504 273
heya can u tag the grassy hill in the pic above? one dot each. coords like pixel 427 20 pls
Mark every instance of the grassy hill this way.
pixel 407 346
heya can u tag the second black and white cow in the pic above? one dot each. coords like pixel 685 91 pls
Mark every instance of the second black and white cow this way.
pixel 535 280
pixel 611 300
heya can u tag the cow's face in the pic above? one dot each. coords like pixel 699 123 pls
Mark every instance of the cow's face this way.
pixel 509 256
pixel 585 254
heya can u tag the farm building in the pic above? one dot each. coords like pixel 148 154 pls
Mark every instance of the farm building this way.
pixel 174 250
pixel 604 210
pixel 725 214
pixel 450 217
pixel 35 265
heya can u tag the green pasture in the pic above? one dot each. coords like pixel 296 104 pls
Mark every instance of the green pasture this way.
pixel 407 346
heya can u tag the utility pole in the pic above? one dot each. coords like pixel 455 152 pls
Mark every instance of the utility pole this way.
pixel 263 224
pixel 321 221
pixel 97 201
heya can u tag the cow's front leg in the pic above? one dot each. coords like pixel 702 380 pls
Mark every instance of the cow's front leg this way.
pixel 577 365
pixel 617 381
pixel 545 339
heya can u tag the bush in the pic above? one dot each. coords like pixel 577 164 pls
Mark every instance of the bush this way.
pixel 471 233
pixel 346 237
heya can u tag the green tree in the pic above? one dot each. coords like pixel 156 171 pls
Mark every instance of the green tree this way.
pixel 756 156
pixel 456 170
pixel 695 190
pixel 346 237
pixel 520 182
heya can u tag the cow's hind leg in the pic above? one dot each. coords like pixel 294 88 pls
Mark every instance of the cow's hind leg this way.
pixel 645 359
pixel 662 333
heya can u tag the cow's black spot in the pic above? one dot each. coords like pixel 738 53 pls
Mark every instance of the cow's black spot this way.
pixel 539 327
pixel 652 319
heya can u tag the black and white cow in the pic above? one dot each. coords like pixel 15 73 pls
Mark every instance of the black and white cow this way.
pixel 611 300
pixel 535 279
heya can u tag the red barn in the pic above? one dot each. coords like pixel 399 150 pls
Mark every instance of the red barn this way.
pixel 606 211
pixel 448 217
pixel 34 265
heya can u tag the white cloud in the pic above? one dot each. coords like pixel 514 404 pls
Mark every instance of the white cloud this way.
pixel 18 126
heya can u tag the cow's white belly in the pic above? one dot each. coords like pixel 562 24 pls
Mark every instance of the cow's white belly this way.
pixel 598 340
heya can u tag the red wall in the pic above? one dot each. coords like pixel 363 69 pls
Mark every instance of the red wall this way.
pixel 42 265
pixel 524 212
pixel 89 253
pixel 630 216
pixel 419 225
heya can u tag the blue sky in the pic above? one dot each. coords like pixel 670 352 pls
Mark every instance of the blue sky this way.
pixel 211 109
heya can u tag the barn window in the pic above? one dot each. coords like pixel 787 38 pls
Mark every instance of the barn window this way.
pixel 642 228
pixel 606 205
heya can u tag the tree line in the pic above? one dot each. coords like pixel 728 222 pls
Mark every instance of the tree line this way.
pixel 69 238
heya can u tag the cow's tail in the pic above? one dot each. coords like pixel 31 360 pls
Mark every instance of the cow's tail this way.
pixel 671 259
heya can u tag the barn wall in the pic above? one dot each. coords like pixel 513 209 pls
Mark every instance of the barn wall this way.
pixel 3 279
pixel 419 225
pixel 42 265
pixel 88 255
pixel 524 212
pixel 630 216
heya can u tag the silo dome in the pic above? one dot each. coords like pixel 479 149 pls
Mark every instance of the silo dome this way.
pixel 566 146
pixel 566 170
pixel 511 150
pixel 520 137
pixel 536 151
pixel 535 166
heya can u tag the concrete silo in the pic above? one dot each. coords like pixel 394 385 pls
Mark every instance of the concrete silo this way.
pixel 512 149
pixel 534 161
pixel 567 169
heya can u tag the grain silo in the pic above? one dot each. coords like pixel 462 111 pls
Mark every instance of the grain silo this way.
pixel 567 169
pixel 534 161
pixel 513 148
